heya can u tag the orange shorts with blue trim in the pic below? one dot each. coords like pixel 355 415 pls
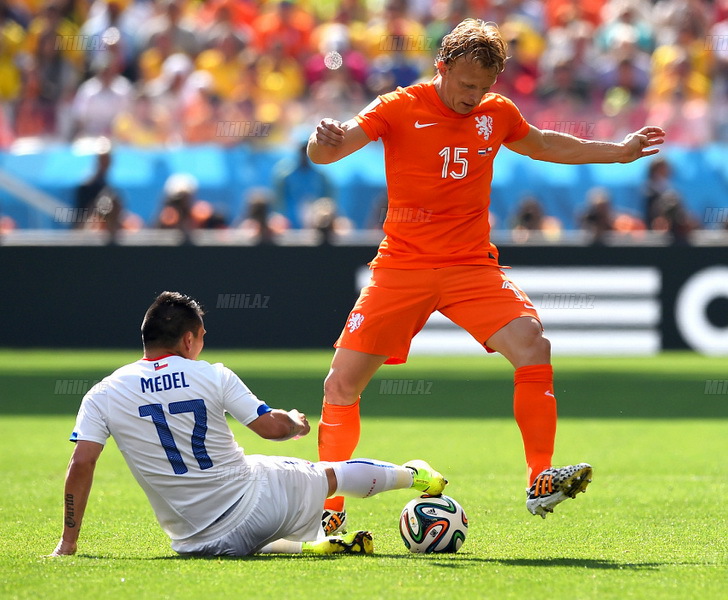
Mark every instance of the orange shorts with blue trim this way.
pixel 396 304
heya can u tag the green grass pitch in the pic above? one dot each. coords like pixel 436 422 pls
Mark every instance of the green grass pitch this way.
pixel 652 525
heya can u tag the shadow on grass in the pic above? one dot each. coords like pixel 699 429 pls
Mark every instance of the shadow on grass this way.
pixel 441 561
pixel 583 563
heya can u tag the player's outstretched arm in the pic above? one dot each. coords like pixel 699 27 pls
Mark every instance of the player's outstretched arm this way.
pixel 334 140
pixel 79 478
pixel 280 425
pixel 553 146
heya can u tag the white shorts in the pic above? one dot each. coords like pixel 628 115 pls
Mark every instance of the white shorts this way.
pixel 289 501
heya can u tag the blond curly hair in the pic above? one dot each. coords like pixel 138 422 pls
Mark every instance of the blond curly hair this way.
pixel 476 40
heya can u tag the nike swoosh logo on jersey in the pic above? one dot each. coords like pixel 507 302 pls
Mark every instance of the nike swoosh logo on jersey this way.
pixel 419 125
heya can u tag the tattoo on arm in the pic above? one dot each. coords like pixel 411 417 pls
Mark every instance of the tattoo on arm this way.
pixel 70 521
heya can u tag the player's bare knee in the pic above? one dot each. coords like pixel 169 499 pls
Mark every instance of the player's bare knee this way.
pixel 532 347
pixel 542 347
pixel 527 331
pixel 336 390
pixel 535 339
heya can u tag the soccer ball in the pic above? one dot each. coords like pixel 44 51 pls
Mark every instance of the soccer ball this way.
pixel 433 524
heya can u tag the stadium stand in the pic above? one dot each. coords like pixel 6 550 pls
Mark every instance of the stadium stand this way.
pixel 224 90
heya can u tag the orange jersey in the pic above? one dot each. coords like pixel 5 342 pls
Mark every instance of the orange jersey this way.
pixel 439 167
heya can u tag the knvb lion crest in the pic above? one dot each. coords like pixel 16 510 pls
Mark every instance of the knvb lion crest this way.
pixel 484 125
pixel 355 321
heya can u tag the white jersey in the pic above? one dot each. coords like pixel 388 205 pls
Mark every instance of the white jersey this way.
pixel 167 416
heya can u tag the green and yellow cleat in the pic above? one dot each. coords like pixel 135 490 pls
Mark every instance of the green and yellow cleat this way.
pixel 425 478
pixel 356 542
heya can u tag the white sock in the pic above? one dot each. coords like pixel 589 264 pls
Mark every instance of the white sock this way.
pixel 281 547
pixel 364 477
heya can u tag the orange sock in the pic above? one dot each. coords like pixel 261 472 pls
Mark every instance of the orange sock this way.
pixel 338 435
pixel 534 407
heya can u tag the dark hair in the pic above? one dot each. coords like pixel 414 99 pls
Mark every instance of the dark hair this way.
pixel 477 41
pixel 170 316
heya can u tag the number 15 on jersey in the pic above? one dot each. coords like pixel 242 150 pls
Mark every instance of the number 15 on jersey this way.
pixel 457 155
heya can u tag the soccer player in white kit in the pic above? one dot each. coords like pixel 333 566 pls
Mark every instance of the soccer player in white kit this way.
pixel 167 414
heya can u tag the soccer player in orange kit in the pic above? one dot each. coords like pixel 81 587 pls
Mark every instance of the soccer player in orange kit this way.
pixel 440 139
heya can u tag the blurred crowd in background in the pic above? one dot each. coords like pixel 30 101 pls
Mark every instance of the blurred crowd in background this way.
pixel 153 73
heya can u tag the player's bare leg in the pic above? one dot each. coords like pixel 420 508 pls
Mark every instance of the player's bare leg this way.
pixel 534 405
pixel 522 342
pixel 339 428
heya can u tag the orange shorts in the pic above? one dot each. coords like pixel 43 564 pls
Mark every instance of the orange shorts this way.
pixel 396 304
